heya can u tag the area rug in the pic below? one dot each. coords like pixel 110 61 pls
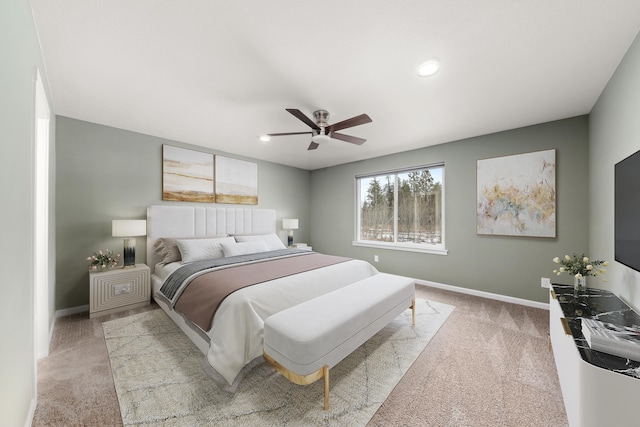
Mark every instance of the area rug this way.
pixel 160 380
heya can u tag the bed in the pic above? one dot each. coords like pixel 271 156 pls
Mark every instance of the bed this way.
pixel 246 250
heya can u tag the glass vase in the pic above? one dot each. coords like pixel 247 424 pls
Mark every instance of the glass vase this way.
pixel 579 284
pixel 100 268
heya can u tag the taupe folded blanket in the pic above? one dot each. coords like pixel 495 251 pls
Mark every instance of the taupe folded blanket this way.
pixel 201 298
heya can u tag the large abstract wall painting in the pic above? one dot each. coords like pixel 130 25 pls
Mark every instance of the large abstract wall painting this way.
pixel 236 181
pixel 516 195
pixel 187 175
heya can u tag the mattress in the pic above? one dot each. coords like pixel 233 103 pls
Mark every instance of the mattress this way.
pixel 235 338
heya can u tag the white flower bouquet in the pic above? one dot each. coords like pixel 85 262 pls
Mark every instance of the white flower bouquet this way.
pixel 103 260
pixel 580 266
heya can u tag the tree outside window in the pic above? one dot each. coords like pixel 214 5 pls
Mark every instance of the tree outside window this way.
pixel 403 207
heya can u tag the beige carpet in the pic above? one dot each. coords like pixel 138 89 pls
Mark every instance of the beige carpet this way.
pixel 488 365
pixel 159 377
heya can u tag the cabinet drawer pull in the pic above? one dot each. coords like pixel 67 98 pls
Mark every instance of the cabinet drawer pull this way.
pixel 553 294
pixel 565 326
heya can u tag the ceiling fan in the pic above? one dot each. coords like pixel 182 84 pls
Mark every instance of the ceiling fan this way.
pixel 322 131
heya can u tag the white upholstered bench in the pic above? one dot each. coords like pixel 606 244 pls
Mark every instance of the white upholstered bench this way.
pixel 304 341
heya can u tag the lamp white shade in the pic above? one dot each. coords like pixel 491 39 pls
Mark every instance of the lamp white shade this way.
pixel 128 227
pixel 290 224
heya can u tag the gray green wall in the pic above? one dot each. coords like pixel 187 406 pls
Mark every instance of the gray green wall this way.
pixel 105 173
pixel 614 129
pixel 20 53
pixel 510 266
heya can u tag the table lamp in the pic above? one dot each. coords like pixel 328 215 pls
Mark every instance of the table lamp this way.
pixel 290 224
pixel 129 228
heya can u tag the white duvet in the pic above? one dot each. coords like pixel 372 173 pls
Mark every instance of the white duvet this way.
pixel 236 334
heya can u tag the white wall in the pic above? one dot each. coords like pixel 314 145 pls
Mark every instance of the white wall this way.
pixel 20 53
pixel 614 134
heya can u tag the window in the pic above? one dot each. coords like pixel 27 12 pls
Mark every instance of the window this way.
pixel 402 209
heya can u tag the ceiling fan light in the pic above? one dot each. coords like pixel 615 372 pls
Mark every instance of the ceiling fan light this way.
pixel 320 138
pixel 428 68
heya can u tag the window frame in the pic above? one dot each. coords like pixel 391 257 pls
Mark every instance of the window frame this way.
pixel 430 248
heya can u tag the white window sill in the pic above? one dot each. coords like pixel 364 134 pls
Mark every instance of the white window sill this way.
pixel 408 247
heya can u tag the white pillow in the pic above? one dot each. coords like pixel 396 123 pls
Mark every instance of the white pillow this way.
pixel 199 249
pixel 272 240
pixel 244 248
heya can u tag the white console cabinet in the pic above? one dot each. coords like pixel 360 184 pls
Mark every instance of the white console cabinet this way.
pixel 598 389
pixel 119 289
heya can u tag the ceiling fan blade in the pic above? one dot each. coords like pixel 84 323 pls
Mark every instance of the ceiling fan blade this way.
pixel 313 146
pixel 347 138
pixel 353 121
pixel 290 133
pixel 300 116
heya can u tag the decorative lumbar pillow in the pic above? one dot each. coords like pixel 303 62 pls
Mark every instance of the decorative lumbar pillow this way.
pixel 272 240
pixel 168 249
pixel 244 248
pixel 199 249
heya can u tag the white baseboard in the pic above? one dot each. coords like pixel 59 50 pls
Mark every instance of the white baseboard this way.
pixel 72 310
pixel 32 412
pixel 53 325
pixel 44 352
pixel 483 294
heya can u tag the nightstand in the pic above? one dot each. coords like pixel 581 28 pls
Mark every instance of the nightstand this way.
pixel 119 289
pixel 302 246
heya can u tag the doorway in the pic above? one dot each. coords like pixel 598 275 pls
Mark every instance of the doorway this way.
pixel 41 220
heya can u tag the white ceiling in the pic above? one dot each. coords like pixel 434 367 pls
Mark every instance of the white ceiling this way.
pixel 219 74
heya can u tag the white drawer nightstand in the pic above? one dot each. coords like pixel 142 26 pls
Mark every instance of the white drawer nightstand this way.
pixel 302 246
pixel 119 289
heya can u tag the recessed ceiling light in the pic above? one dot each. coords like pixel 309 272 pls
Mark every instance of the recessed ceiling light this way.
pixel 264 138
pixel 428 68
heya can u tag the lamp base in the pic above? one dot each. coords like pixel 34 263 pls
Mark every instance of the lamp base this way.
pixel 129 252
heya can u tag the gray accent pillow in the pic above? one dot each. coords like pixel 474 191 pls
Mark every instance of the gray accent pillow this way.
pixel 168 249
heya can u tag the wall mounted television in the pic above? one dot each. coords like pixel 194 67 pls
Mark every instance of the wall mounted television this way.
pixel 627 211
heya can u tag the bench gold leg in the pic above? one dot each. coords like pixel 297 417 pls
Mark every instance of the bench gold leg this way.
pixel 303 379
pixel 325 374
pixel 413 312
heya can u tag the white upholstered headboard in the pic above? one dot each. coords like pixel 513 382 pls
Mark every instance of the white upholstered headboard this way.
pixel 192 221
